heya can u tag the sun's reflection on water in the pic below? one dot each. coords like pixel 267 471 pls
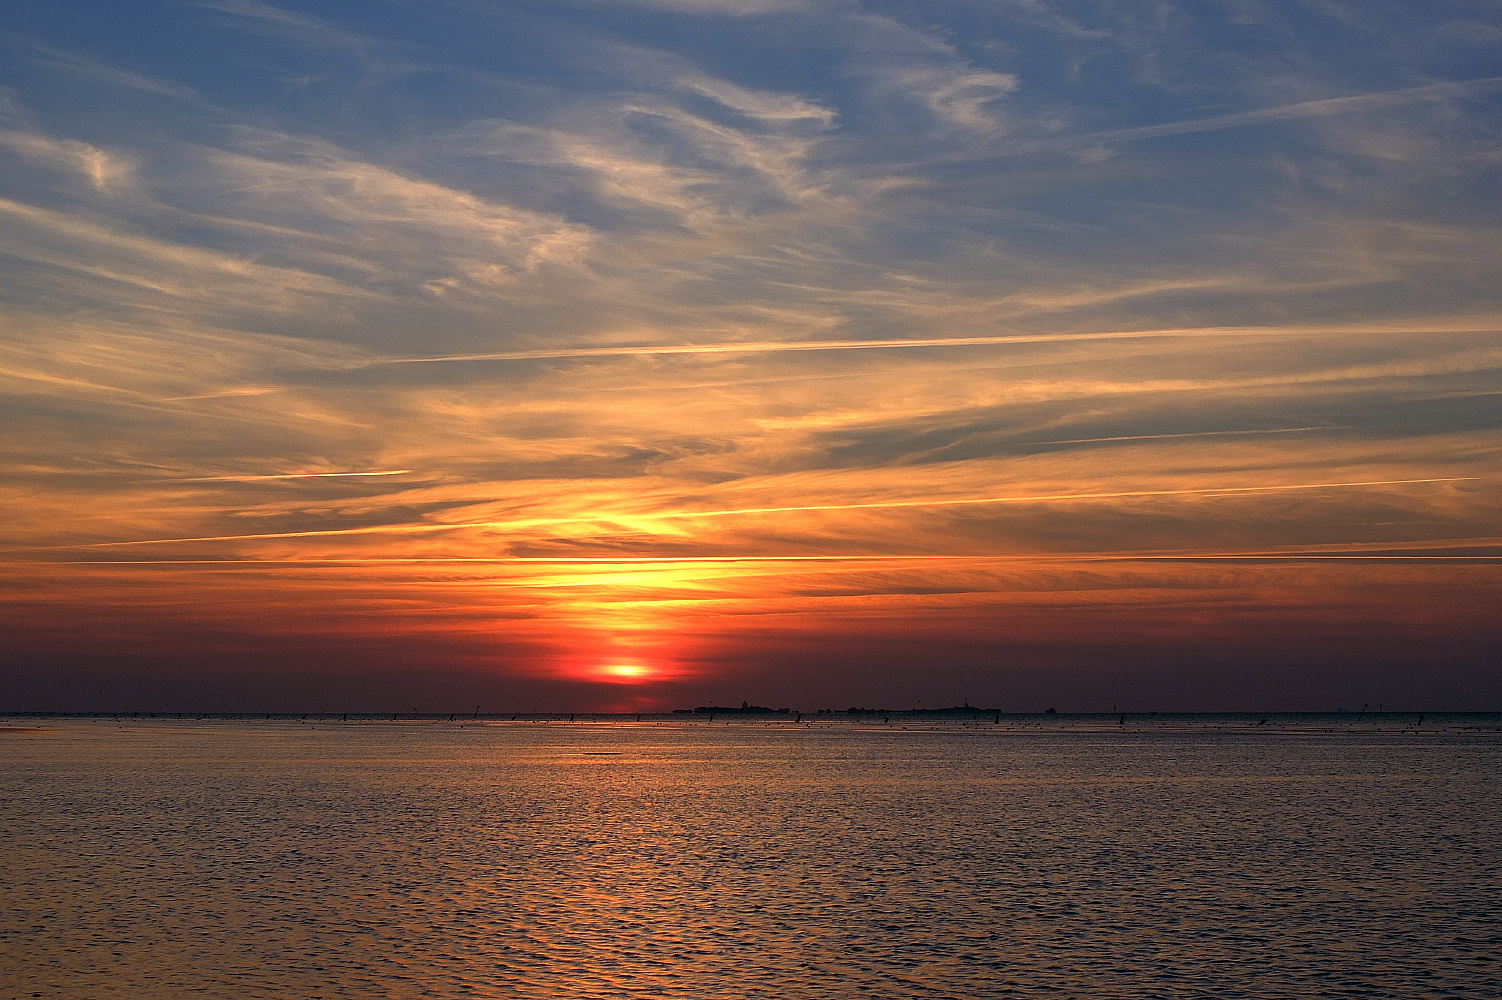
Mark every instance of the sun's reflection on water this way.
pixel 739 862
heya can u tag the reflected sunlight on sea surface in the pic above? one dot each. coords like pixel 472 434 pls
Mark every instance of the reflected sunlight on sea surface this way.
pixel 285 859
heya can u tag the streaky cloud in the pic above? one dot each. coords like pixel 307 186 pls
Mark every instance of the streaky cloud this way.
pixel 1321 108
pixel 1251 432
pixel 771 347
pixel 290 475
pixel 1324 107
pixel 688 515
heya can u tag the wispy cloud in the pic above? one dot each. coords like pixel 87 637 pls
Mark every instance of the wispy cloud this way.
pixel 903 65
pixel 147 264
pixel 73 62
pixel 828 345
pixel 103 171
pixel 292 25
pixel 1322 108
pixel 689 324
pixel 719 8
pixel 316 190
pixel 632 518
pixel 290 475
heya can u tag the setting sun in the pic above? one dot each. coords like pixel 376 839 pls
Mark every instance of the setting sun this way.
pixel 626 671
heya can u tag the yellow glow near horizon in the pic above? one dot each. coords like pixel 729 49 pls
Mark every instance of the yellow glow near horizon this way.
pixel 626 672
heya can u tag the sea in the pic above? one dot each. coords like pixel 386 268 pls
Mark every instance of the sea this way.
pixel 821 857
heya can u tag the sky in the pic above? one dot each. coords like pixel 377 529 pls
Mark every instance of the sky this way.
pixel 630 355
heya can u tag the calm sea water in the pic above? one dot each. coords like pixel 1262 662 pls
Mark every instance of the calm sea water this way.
pixel 298 860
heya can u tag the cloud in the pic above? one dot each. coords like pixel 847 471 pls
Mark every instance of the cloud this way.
pixel 93 69
pixel 291 475
pixel 909 67
pixel 1478 34
pixel 314 189
pixel 668 154
pixel 301 28
pixel 631 520
pixel 828 345
pixel 656 162
pixel 277 224
pixel 104 171
pixel 716 8
pixel 171 275
pixel 771 107
pixel 1325 107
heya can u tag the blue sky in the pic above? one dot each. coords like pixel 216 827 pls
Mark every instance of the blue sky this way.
pixel 1194 159
pixel 1166 249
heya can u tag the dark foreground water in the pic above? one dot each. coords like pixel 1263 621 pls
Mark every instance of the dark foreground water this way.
pixel 301 860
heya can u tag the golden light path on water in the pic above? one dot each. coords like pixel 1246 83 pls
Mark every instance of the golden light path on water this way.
pixel 752 859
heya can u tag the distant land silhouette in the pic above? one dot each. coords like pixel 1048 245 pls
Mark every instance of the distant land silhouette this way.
pixel 745 709
pixel 749 709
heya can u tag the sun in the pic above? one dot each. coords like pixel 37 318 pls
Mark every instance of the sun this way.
pixel 625 671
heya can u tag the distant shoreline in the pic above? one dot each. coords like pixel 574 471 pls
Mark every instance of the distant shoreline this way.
pixel 965 716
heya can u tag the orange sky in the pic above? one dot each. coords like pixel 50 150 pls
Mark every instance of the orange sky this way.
pixel 617 363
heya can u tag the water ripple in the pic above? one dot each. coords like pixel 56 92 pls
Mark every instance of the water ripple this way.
pixel 606 862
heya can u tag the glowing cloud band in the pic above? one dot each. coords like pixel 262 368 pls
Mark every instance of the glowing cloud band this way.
pixel 682 515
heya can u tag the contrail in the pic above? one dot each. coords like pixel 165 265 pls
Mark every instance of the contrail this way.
pixel 1044 498
pixel 1189 434
pixel 784 346
pixel 1322 108
pixel 777 346
pixel 1303 109
pixel 685 515
pixel 1417 555
pixel 288 475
